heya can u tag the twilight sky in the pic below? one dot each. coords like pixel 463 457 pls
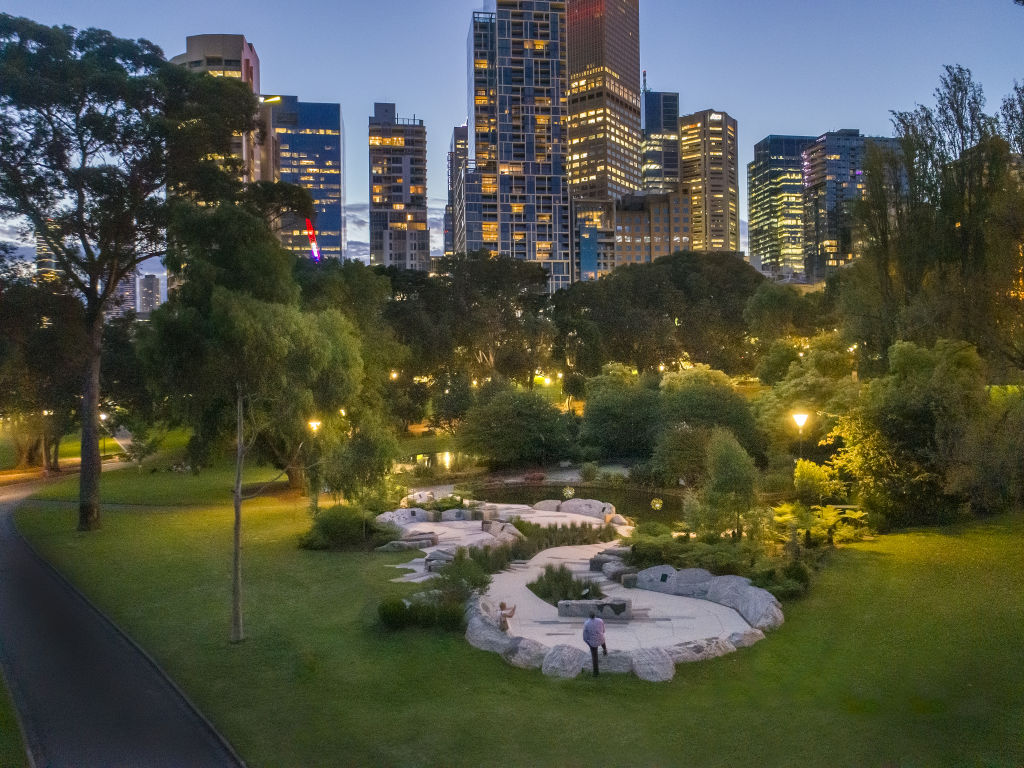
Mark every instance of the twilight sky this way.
pixel 786 66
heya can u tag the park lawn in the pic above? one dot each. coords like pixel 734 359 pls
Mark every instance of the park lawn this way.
pixel 905 654
pixel 437 443
pixel 12 750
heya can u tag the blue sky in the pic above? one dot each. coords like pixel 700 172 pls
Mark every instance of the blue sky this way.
pixel 786 66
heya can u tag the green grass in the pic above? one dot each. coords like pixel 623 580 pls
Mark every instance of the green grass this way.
pixel 906 653
pixel 437 443
pixel 12 751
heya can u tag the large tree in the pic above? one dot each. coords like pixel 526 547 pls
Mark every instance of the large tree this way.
pixel 94 132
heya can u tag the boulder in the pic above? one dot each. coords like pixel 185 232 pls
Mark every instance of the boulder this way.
pixel 701 650
pixel 421 537
pixel 619 552
pixel 437 560
pixel 451 515
pixel 598 562
pixel 548 505
pixel 401 546
pixel 526 653
pixel 629 580
pixel 615 663
pixel 484 634
pixel 691 582
pixel 616 569
pixel 505 533
pixel 653 665
pixel 746 639
pixel 682 653
pixel 565 661
pixel 403 517
pixel 588 507
pixel 509 511
pixel 606 608
pixel 415 499
pixel 656 579
pixel 760 608
pixel 617 519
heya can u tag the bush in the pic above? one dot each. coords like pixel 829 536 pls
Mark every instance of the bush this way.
pixel 787 589
pixel 429 611
pixel 645 475
pixel 515 429
pixel 461 578
pixel 559 584
pixel 588 471
pixel 799 572
pixel 393 613
pixel 345 527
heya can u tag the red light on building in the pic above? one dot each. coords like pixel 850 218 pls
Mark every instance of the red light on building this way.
pixel 314 249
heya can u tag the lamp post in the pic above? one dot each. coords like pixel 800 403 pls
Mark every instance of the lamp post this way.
pixel 103 435
pixel 800 419
pixel 314 474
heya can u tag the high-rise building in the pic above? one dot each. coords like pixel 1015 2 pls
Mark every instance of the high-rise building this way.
pixel 304 146
pixel 512 196
pixel 775 204
pixel 47 267
pixel 833 179
pixel 399 235
pixel 126 296
pixel 652 225
pixel 228 56
pixel 458 154
pixel 604 98
pixel 149 294
pixel 709 167
pixel 660 169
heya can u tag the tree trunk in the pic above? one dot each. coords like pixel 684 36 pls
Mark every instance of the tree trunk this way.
pixel 55 463
pixel 89 476
pixel 237 629
pixel 296 477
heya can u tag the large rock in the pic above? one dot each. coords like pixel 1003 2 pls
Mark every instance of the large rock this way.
pixel 484 634
pixel 429 538
pixel 403 546
pixel 615 663
pixel 598 562
pixel 691 582
pixel 617 551
pixel 605 608
pixel 548 505
pixel 618 519
pixel 404 517
pixel 526 653
pixel 565 661
pixel 656 579
pixel 509 511
pixel 589 507
pixel 616 569
pixel 653 665
pixel 455 514
pixel 438 559
pixel 746 639
pixel 761 609
pixel 504 533
pixel 701 650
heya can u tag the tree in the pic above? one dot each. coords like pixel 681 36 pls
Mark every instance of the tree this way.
pixel 515 428
pixel 621 416
pixel 730 477
pixel 94 130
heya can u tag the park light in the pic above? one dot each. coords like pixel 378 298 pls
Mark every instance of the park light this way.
pixel 800 419
pixel 568 492
pixel 657 504
pixel 314 425
pixel 547 381
pixel 103 417
pixel 559 377
pixel 342 412
pixel 661 367
pixel 394 375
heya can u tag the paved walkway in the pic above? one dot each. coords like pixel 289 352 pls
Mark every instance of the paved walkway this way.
pixel 86 695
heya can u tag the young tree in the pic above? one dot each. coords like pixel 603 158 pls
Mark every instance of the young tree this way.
pixel 94 131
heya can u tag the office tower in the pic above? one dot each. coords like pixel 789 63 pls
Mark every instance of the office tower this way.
pixel 47 267
pixel 228 56
pixel 399 236
pixel 604 98
pixel 833 171
pixel 775 204
pixel 125 296
pixel 512 197
pixel 709 167
pixel 149 295
pixel 303 146
pixel 660 170
pixel 652 225
pixel 458 154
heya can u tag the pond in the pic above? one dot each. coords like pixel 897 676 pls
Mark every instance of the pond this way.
pixel 446 461
pixel 631 502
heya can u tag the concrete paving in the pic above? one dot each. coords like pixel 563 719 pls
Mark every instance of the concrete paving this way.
pixel 659 620
pixel 86 695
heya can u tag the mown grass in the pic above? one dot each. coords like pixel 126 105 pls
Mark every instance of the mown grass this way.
pixel 12 751
pixel 905 654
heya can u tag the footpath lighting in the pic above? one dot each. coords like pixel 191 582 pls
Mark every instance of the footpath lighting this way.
pixel 103 434
pixel 314 425
pixel 800 419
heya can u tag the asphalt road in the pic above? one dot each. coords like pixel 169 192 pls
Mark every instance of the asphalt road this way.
pixel 87 697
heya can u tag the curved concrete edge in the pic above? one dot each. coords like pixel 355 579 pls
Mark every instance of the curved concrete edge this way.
pixel 29 751
pixel 131 641
pixel 483 632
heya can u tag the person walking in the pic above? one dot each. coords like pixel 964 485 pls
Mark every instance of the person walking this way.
pixel 593 635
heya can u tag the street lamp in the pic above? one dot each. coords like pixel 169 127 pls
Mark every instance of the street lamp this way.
pixel 103 434
pixel 314 473
pixel 800 419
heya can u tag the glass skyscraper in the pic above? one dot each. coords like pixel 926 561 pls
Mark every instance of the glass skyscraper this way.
pixel 661 141
pixel 305 146
pixel 709 167
pixel 775 204
pixel 512 196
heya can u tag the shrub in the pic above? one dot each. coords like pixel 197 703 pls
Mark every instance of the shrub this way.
pixel 559 584
pixel 588 471
pixel 644 474
pixel 787 589
pixel 460 578
pixel 797 571
pixel 393 613
pixel 345 527
pixel 680 455
pixel 450 616
pixel 515 429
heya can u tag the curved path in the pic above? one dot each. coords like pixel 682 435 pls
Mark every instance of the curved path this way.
pixel 86 695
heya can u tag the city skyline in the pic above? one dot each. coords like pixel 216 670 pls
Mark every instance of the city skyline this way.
pixel 894 62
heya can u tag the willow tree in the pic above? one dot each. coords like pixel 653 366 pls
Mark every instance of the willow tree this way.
pixel 94 131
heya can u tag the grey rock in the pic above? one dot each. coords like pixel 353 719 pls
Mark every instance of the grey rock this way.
pixel 403 517
pixel 656 579
pixel 761 609
pixel 422 536
pixel 746 639
pixel 691 582
pixel 400 546
pixel 618 520
pixel 682 653
pixel 606 608
pixel 414 499
pixel 548 505
pixel 526 653
pixel 506 533
pixel 589 507
pixel 629 580
pixel 453 515
pixel 619 552
pixel 565 661
pixel 653 665
pixel 616 569
pixel 484 634
pixel 597 562
pixel 615 663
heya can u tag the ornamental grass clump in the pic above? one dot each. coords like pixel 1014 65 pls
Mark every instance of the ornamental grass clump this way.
pixel 559 584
